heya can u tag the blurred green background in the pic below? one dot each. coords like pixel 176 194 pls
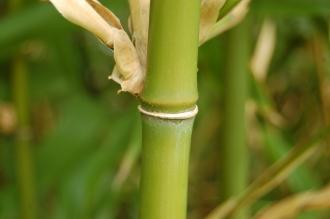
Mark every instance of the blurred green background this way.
pixel 64 128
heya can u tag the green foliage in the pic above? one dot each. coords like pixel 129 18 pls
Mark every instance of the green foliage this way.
pixel 81 129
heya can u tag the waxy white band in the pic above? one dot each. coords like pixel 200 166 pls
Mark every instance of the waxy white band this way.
pixel 170 116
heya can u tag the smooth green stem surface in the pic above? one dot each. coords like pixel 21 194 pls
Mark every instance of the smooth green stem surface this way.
pixel 171 82
pixel 166 146
pixel 234 151
pixel 25 173
pixel 170 86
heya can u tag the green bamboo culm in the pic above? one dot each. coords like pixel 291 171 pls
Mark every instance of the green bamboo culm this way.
pixel 24 160
pixel 24 163
pixel 234 150
pixel 170 87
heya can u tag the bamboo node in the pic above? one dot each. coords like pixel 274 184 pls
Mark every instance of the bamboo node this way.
pixel 170 116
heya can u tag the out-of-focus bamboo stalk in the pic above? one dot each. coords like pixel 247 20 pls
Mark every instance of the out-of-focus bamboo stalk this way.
pixel 24 160
pixel 234 149
pixel 25 173
pixel 321 51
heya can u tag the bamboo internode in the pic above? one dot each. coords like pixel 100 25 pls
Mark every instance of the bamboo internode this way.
pixel 170 116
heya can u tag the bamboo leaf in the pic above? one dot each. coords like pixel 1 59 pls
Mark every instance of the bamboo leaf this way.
pixel 99 20
pixel 235 16
pixel 292 206
pixel 130 59
pixel 230 4
pixel 271 178
pixel 127 72
pixel 209 16
pixel 93 17
pixel 140 10
pixel 264 50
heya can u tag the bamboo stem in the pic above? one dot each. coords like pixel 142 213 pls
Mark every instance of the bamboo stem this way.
pixel 24 165
pixel 170 87
pixel 235 155
pixel 166 147
pixel 25 173
pixel 171 82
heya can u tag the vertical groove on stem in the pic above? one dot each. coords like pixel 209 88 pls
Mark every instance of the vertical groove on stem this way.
pixel 235 155
pixel 170 86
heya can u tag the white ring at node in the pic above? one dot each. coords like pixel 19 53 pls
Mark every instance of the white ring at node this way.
pixel 170 116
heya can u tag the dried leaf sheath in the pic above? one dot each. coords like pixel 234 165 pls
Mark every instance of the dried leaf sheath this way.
pixel 140 10
pixel 82 13
pixel 127 72
pixel 209 15
pixel 234 17
pixel 131 58
pixel 291 207
pixel 99 20
pixel 105 13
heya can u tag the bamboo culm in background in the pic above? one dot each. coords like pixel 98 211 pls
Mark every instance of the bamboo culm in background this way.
pixel 25 173
pixel 234 150
pixel 24 160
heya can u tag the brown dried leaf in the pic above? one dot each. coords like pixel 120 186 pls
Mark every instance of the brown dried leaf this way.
pixel 81 12
pixel 140 27
pixel 234 17
pixel 131 61
pixel 105 13
pixel 292 206
pixel 264 50
pixel 209 15
pixel 270 178
pixel 8 119
pixel 96 18
pixel 139 22
pixel 128 72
